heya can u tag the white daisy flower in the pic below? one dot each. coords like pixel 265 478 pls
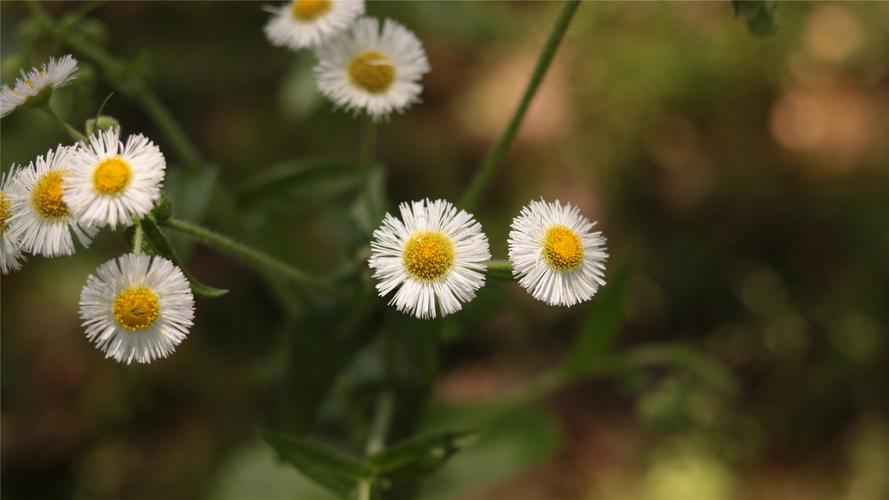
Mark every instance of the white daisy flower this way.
pixel 41 219
pixel 435 256
pixel 137 308
pixel 308 23
pixel 56 73
pixel 555 254
pixel 372 70
pixel 10 253
pixel 110 183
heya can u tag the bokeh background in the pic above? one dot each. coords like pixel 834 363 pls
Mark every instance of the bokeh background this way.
pixel 743 184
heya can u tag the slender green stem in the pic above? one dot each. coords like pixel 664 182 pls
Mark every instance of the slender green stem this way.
pixel 71 131
pixel 364 489
pixel 379 428
pixel 123 81
pixel 248 254
pixel 485 173
pixel 137 239
pixel 366 147
pixel 500 269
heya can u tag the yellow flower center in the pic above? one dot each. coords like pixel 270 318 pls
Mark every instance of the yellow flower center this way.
pixel 309 10
pixel 5 212
pixel 428 255
pixel 562 248
pixel 46 197
pixel 136 308
pixel 372 71
pixel 112 176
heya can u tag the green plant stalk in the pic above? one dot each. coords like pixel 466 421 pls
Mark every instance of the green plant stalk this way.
pixel 70 130
pixel 113 70
pixel 367 143
pixel 137 239
pixel 485 173
pixel 249 255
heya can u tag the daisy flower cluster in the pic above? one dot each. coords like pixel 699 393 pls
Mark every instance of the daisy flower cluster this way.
pixel 364 64
pixel 136 307
pixel 434 257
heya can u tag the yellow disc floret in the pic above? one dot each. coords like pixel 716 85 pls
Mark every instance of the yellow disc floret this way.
pixel 372 71
pixel 308 10
pixel 46 197
pixel 562 248
pixel 428 255
pixel 5 212
pixel 112 176
pixel 136 308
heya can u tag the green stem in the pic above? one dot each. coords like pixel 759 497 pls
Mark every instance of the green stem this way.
pixel 366 146
pixel 500 268
pixel 71 131
pixel 485 173
pixel 379 428
pixel 123 81
pixel 137 239
pixel 248 254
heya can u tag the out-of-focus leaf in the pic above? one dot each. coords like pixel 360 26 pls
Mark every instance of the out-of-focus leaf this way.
pixel 324 342
pixel 190 191
pixel 162 246
pixel 423 454
pixel 163 209
pixel 705 368
pixel 337 472
pixel 281 177
pixel 600 329
pixel 369 208
pixel 760 16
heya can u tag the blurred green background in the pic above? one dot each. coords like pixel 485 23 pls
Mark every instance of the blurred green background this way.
pixel 742 182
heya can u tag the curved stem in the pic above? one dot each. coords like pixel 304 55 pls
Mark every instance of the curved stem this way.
pixel 486 172
pixel 500 268
pixel 137 239
pixel 248 254
pixel 70 130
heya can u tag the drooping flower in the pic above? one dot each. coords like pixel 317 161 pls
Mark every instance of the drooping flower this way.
pixel 41 220
pixel 10 253
pixel 434 257
pixel 38 83
pixel 137 308
pixel 309 23
pixel 555 254
pixel 110 182
pixel 377 71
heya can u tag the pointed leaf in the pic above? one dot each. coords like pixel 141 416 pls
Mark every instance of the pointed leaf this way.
pixel 423 454
pixel 338 473
pixel 162 247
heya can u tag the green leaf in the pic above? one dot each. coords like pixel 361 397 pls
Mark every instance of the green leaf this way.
pixel 600 329
pixel 338 473
pixel 423 454
pixel 761 21
pixel 279 178
pixel 161 245
pixel 163 209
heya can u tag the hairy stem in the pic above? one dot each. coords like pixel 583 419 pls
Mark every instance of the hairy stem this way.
pixel 249 255
pixel 70 130
pixel 485 173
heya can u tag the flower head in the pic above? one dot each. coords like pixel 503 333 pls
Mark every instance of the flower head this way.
pixel 10 253
pixel 31 85
pixel 111 182
pixel 555 254
pixel 370 69
pixel 41 219
pixel 308 23
pixel 137 308
pixel 434 256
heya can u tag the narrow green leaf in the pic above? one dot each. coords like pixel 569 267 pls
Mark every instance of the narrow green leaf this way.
pixel 281 177
pixel 423 454
pixel 600 329
pixel 336 472
pixel 162 247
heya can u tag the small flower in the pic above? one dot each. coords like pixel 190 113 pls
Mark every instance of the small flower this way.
pixel 10 253
pixel 377 71
pixel 308 23
pixel 555 254
pixel 137 308
pixel 41 220
pixel 434 255
pixel 31 85
pixel 110 183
